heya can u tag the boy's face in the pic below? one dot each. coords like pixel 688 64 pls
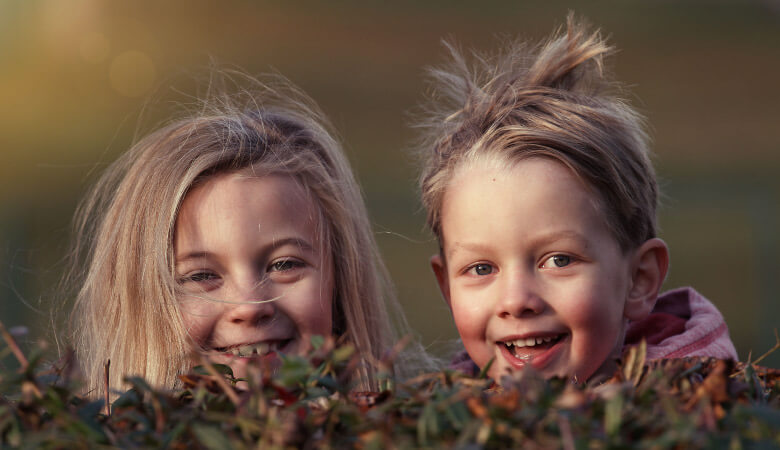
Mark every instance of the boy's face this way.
pixel 531 271
pixel 255 276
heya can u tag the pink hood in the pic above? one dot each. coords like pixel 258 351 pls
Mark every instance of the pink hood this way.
pixel 683 323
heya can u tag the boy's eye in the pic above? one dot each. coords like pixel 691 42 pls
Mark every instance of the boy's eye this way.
pixel 556 261
pixel 481 269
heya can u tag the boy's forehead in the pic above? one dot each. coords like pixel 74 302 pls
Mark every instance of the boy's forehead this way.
pixel 542 193
pixel 491 164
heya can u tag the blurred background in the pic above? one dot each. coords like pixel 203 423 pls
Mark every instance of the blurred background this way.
pixel 80 80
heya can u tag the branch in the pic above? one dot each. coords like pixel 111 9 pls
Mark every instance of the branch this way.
pixel 14 347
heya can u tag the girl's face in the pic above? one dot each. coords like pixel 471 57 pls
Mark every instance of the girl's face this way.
pixel 256 276
pixel 531 271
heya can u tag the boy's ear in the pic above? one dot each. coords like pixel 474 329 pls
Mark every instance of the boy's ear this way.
pixel 648 271
pixel 440 270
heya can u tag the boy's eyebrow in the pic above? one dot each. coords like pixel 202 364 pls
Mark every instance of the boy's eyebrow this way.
pixel 558 235
pixel 535 241
pixel 276 243
pixel 468 246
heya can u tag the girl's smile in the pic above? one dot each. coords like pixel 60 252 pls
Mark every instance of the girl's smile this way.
pixel 256 349
pixel 254 276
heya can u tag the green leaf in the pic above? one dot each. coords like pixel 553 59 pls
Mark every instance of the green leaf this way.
pixel 613 415
pixel 483 373
pixel 211 437
pixel 317 341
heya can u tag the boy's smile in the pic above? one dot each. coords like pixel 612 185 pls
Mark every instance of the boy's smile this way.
pixel 531 271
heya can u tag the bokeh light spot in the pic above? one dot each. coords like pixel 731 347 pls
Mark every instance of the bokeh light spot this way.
pixel 94 47
pixel 132 73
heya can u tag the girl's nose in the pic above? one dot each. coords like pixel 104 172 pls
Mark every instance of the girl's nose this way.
pixel 252 306
pixel 520 297
pixel 251 312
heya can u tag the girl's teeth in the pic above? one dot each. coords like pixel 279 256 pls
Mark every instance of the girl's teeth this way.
pixel 251 350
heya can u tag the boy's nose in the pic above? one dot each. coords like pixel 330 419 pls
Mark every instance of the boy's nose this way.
pixel 520 298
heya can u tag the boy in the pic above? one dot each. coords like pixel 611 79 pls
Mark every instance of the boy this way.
pixel 543 198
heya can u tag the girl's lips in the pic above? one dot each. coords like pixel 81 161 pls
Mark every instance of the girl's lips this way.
pixel 257 350
pixel 538 351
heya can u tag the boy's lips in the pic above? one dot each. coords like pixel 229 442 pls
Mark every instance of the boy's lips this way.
pixel 537 349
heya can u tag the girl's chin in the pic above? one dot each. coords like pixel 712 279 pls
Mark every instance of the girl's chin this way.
pixel 240 365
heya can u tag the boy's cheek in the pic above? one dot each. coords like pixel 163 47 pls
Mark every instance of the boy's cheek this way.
pixel 471 327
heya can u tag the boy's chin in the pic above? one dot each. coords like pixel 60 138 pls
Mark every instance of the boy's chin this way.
pixel 601 375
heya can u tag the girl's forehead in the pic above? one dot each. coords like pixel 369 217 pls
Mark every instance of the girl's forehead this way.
pixel 277 195
pixel 259 178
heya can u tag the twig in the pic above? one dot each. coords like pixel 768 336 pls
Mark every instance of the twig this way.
pixel 771 350
pixel 567 437
pixel 14 347
pixel 105 381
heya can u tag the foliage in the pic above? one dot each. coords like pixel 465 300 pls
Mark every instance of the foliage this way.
pixel 308 403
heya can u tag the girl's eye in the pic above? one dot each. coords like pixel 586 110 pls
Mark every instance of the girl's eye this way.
pixel 284 265
pixel 556 261
pixel 199 277
pixel 481 269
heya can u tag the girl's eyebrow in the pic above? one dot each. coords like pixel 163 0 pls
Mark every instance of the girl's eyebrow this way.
pixel 198 254
pixel 301 243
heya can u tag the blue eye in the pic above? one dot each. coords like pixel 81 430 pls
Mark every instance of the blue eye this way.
pixel 561 260
pixel 482 269
pixel 556 261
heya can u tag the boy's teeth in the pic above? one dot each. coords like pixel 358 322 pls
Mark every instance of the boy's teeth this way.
pixel 529 342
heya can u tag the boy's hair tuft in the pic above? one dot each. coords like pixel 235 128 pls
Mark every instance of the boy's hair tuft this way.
pixel 554 100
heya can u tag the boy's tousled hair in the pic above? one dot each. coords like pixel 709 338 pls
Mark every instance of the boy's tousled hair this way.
pixel 126 307
pixel 553 101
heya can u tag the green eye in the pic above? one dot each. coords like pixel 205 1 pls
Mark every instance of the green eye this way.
pixel 284 265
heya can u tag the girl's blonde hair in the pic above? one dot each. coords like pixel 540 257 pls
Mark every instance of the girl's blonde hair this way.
pixel 126 308
pixel 552 101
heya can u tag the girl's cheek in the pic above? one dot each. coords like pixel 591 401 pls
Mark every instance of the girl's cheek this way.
pixel 198 317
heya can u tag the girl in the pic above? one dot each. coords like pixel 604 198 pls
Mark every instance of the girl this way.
pixel 240 231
